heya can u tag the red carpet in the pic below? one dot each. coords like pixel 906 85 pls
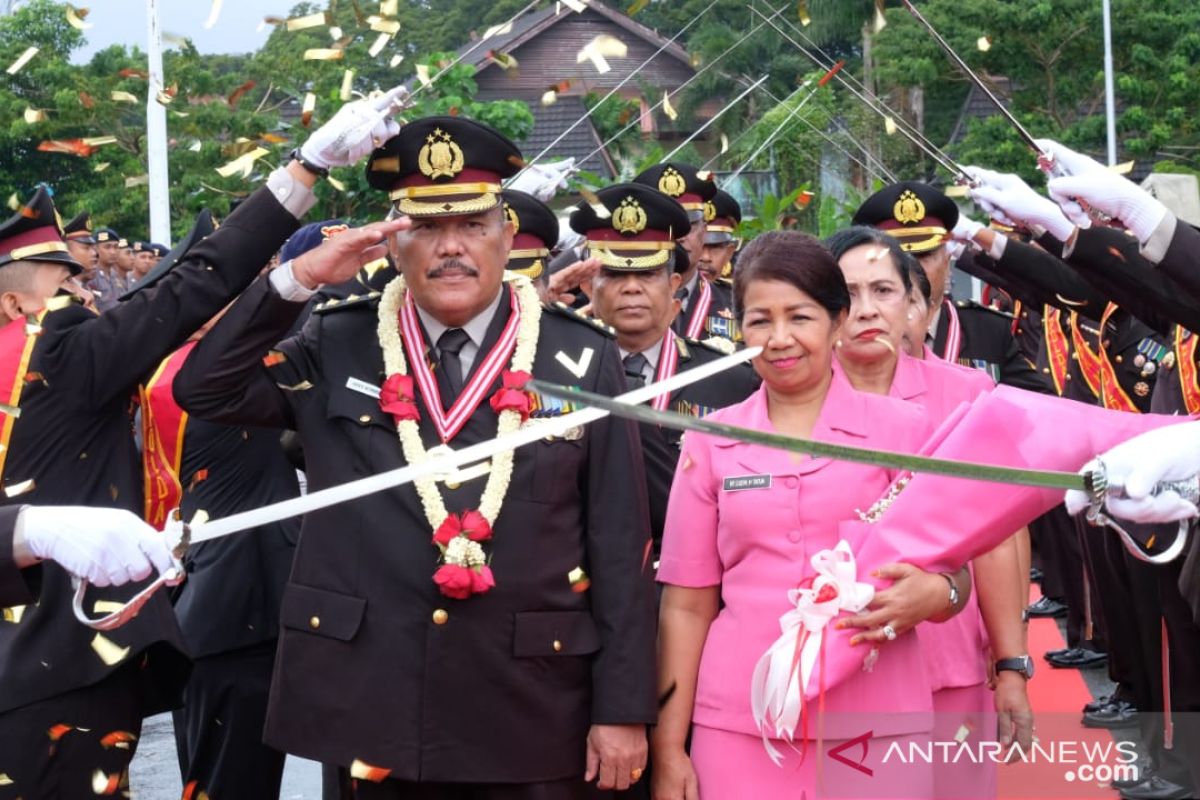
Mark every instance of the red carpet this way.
pixel 1058 697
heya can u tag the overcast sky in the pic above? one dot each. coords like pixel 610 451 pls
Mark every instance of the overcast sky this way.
pixel 124 22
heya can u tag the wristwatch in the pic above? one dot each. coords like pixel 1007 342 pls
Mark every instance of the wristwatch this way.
pixel 1021 664
pixel 953 588
pixel 320 172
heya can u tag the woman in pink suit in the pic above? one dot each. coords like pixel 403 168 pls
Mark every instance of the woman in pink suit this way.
pixel 742 526
pixel 959 653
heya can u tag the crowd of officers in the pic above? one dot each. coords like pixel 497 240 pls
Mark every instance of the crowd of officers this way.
pixel 1083 314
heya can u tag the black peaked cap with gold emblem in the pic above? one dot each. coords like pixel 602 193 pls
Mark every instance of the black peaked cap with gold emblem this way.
pixel 688 186
pixel 721 216
pixel 205 224
pixel 107 235
pixel 79 229
pixel 443 166
pixel 536 233
pixel 35 233
pixel 639 231
pixel 917 214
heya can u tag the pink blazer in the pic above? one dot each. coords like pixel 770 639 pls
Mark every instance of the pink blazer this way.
pixel 749 518
pixel 954 651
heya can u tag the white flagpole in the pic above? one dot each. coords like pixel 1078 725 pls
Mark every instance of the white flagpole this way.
pixel 156 133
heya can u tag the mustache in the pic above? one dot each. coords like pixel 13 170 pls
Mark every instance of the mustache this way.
pixel 453 265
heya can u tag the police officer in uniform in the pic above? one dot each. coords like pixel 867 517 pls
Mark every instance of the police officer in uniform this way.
pixel 525 668
pixel 963 331
pixel 634 293
pixel 535 234
pixel 84 248
pixel 707 308
pixel 62 683
pixel 722 215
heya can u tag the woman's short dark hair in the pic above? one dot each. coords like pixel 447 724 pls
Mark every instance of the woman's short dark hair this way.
pixel 846 240
pixel 920 279
pixel 795 258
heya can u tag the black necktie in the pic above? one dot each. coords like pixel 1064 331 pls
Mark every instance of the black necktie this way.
pixel 635 370
pixel 449 345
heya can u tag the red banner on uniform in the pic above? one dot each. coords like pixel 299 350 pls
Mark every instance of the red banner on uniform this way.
pixel 16 347
pixel 163 424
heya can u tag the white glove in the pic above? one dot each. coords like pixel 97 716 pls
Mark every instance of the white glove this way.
pixel 107 546
pixel 355 130
pixel 1103 190
pixel 1008 199
pixel 965 229
pixel 544 180
pixel 1171 453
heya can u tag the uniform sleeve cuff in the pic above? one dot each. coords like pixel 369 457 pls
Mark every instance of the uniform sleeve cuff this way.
pixel 293 195
pixel 1155 248
pixel 284 282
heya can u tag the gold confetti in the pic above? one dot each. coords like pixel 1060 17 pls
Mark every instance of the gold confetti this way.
pixel 309 21
pixel 13 614
pixel 321 54
pixel 380 42
pixel 957 191
pixel 802 13
pixel 599 209
pixel 360 770
pixel 389 26
pixel 497 30
pixel 724 144
pixel 637 6
pixel 503 60
pixel 983 43
pixel 395 62
pixel 243 163
pixel 137 180
pixel 347 84
pixel 423 74
pixel 214 11
pixel 14 202
pixel 5 780
pixel 22 487
pixel 549 98
pixel 33 115
pixel 335 183
pixel 880 20
pixel 123 97
pixel 108 650
pixel 76 17
pixel 22 60
pixel 599 50
pixel 387 8
pixel 579 580
pixel 106 606
pixel 97 141
pixel 671 113
pixel 575 5
pixel 889 125
pixel 1122 169
pixel 310 103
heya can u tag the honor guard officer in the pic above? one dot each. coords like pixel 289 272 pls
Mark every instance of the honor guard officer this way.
pixel 535 232
pixel 722 215
pixel 634 293
pixel 72 699
pixel 489 633
pixel 707 307
pixel 965 332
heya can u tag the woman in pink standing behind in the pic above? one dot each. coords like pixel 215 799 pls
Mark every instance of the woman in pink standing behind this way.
pixel 742 525
pixel 961 653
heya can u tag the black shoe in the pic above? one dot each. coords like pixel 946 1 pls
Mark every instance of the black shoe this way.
pixel 1047 607
pixel 1062 651
pixel 1097 704
pixel 1078 658
pixel 1117 714
pixel 1156 788
pixel 1035 575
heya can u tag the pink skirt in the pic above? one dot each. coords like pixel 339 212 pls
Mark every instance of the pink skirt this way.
pixel 964 714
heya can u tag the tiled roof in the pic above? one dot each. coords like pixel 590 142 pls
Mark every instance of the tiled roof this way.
pixel 551 121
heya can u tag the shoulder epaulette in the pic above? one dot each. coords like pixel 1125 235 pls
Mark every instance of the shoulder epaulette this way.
pixel 563 310
pixel 971 305
pixel 352 301
pixel 717 344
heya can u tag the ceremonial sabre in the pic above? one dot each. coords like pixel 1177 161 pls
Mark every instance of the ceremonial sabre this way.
pixel 1094 482
pixel 188 534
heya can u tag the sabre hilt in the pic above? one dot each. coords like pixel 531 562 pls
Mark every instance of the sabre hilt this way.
pixel 1050 165
pixel 1099 489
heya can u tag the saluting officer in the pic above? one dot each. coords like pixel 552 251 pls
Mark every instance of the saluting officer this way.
pixel 441 639
pixel 963 331
pixel 634 293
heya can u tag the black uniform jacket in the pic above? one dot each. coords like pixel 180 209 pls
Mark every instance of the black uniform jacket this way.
pixel 374 663
pixel 718 320
pixel 234 586
pixel 988 344
pixel 17 586
pixel 74 441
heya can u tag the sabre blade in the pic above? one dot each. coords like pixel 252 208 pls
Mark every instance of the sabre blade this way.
pixel 1045 479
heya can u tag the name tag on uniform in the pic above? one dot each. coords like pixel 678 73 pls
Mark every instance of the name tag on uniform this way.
pixel 740 483
pixel 362 387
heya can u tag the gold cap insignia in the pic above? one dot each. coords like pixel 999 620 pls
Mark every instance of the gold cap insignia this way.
pixel 671 182
pixel 440 156
pixel 629 217
pixel 710 211
pixel 908 209
pixel 511 216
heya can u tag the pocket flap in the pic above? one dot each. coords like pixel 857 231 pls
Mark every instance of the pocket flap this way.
pixel 356 407
pixel 554 633
pixel 321 612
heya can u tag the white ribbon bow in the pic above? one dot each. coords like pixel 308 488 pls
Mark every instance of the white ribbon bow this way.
pixel 781 676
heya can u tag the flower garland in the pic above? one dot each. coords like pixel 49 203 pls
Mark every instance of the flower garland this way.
pixel 464 570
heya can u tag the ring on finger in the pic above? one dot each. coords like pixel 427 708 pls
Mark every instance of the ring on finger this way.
pixel 889 632
pixel 635 774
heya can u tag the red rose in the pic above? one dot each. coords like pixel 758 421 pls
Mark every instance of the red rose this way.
pixel 455 581
pixel 826 593
pixel 482 579
pixel 510 397
pixel 475 526
pixel 451 526
pixel 396 398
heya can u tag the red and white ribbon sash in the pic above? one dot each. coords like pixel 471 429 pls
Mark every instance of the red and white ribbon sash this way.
pixel 449 423
pixel 953 333
pixel 700 310
pixel 668 364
